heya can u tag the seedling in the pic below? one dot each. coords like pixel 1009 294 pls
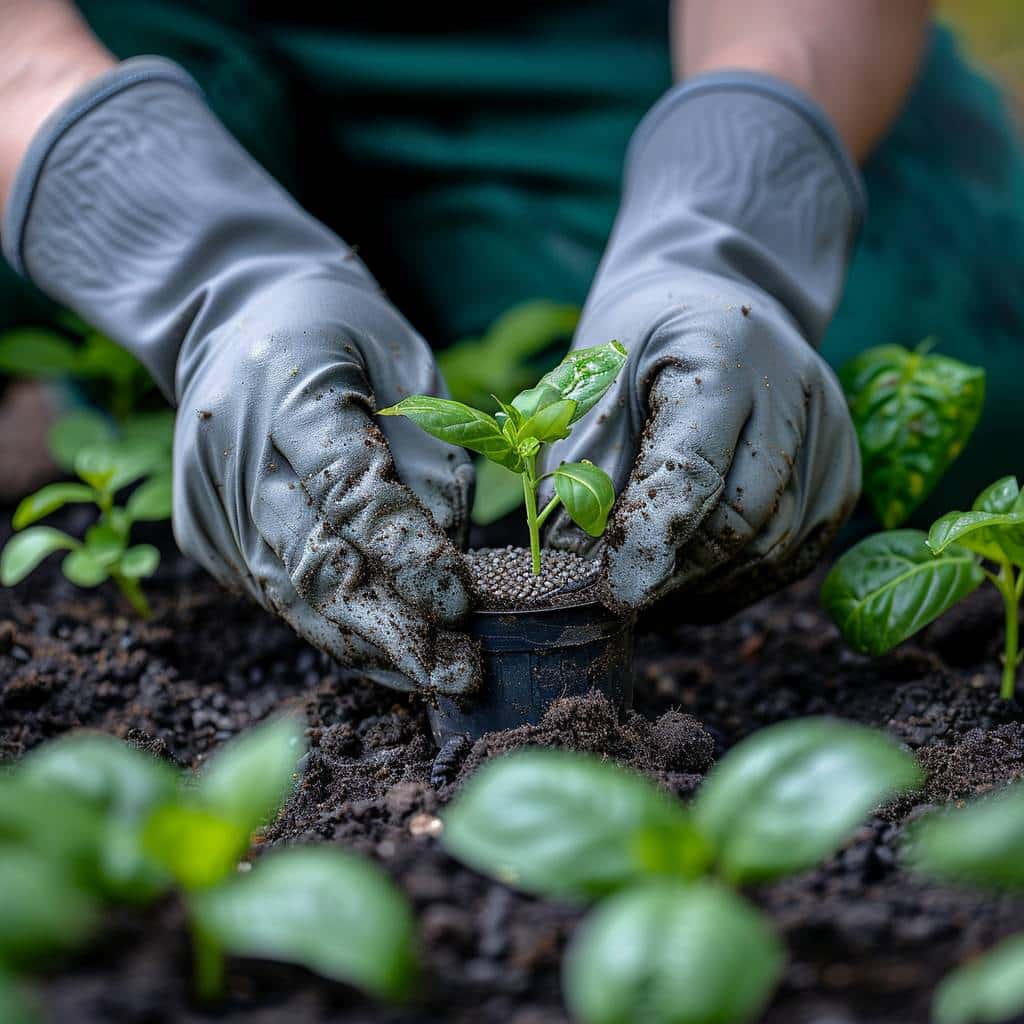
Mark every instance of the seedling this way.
pixel 980 844
pixel 914 412
pixel 672 941
pixel 104 553
pixel 514 437
pixel 891 585
pixel 86 819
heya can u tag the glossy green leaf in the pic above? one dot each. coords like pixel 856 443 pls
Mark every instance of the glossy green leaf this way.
pixel 982 843
pixel 249 778
pixel 96 465
pixel 25 550
pixel 788 796
pixel 498 492
pixel 328 911
pixel 999 497
pixel 569 825
pixel 76 430
pixel 139 561
pixel 121 783
pixel 586 374
pixel 195 846
pixel 672 953
pixel 587 493
pixel 890 585
pixel 457 424
pixel 914 412
pixel 152 500
pixel 83 569
pixel 16 1004
pixel 983 532
pixel 42 910
pixel 36 352
pixel 987 990
pixel 49 499
pixel 550 423
pixel 531 401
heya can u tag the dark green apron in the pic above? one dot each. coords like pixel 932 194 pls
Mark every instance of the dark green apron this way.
pixel 477 164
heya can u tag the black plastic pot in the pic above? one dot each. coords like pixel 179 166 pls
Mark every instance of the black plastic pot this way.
pixel 531 658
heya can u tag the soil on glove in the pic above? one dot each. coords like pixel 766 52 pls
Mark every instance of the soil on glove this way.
pixel 868 943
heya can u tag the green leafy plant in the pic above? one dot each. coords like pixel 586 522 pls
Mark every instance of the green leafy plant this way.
pixel 105 552
pixel 889 586
pixel 513 438
pixel 80 353
pixel 672 941
pixel 86 819
pixel 501 363
pixel 980 844
pixel 914 412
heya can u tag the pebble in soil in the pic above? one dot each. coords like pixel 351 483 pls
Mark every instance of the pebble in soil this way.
pixel 503 578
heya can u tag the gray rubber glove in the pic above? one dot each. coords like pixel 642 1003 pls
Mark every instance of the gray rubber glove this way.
pixel 727 436
pixel 135 208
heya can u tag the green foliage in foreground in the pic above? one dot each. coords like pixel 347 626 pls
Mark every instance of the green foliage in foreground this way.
pixel 671 941
pixel 513 438
pixel 86 820
pixel 914 412
pixel 889 586
pixel 980 844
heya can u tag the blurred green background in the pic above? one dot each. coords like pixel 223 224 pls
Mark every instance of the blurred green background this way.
pixel 992 31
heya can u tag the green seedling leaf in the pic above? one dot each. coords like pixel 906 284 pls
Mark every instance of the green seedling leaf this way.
pixel 36 352
pixel 568 825
pixel 100 358
pixel 994 528
pixel 16 1006
pixel 328 911
pixel 151 501
pixel 457 424
pixel 96 465
pixel 672 953
pixel 587 493
pixel 982 843
pixel 1000 497
pixel 987 990
pixel 52 497
pixel 247 781
pixel 76 430
pixel 24 551
pixel 54 824
pixel 890 585
pixel 914 412
pixel 83 569
pixel 550 423
pixel 586 374
pixel 196 847
pixel 786 797
pixel 123 785
pixel 42 910
pixel 104 544
pixel 528 403
pixel 139 562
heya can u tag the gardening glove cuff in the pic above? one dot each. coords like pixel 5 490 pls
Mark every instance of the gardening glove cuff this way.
pixel 740 175
pixel 727 436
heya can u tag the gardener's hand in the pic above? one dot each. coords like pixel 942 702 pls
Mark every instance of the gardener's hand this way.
pixel 727 436
pixel 135 208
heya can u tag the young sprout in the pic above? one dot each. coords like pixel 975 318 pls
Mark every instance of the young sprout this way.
pixel 515 436
pixel 104 553
pixel 889 586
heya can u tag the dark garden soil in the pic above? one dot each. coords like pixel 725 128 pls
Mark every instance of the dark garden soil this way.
pixel 867 942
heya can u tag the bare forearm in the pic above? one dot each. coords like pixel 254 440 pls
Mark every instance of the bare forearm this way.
pixel 46 54
pixel 856 58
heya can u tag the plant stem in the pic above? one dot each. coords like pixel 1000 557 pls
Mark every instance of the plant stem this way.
pixel 133 594
pixel 530 496
pixel 1011 602
pixel 548 509
pixel 208 962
